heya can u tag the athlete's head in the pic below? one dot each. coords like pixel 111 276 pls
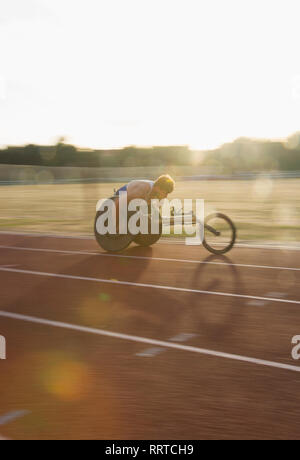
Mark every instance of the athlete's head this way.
pixel 162 187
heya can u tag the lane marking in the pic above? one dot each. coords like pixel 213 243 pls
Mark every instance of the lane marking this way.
pixel 256 303
pixel 149 286
pixel 48 235
pixel 249 245
pixel 159 259
pixel 12 416
pixel 151 352
pixel 10 266
pixel 279 246
pixel 277 294
pixel 183 337
pixel 153 342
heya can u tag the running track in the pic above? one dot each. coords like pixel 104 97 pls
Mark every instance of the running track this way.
pixel 159 343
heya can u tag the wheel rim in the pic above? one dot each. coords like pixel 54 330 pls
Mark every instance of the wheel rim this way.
pixel 225 239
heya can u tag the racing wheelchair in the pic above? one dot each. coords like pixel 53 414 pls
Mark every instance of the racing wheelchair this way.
pixel 219 232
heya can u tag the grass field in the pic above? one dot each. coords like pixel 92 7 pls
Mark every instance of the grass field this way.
pixel 262 209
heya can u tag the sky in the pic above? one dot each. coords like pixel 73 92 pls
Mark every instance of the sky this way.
pixel 110 73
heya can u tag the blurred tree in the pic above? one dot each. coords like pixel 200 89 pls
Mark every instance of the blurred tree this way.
pixel 241 155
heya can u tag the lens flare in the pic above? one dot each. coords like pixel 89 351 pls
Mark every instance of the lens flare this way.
pixel 67 380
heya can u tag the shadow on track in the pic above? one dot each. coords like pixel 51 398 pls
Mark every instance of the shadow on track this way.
pixel 132 309
pixel 216 316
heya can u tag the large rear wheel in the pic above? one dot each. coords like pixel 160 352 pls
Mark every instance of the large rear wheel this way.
pixel 108 242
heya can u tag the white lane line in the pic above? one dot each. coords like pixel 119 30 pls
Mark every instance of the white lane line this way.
pixel 149 286
pixel 249 245
pixel 12 416
pixel 159 259
pixel 246 245
pixel 153 342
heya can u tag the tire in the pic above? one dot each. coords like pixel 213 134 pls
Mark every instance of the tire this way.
pixel 223 220
pixel 148 240
pixel 112 243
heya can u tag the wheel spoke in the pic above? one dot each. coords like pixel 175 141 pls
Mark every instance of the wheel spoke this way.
pixel 220 234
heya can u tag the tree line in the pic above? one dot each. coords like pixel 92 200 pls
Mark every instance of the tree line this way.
pixel 68 155
pixel 241 155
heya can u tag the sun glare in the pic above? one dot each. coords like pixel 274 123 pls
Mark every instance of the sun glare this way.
pixel 109 74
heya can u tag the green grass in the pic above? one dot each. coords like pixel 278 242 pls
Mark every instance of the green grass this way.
pixel 262 210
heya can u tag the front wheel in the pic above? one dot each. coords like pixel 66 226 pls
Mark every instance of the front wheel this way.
pixel 219 234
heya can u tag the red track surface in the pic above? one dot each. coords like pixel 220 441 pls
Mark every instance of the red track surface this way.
pixel 75 384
